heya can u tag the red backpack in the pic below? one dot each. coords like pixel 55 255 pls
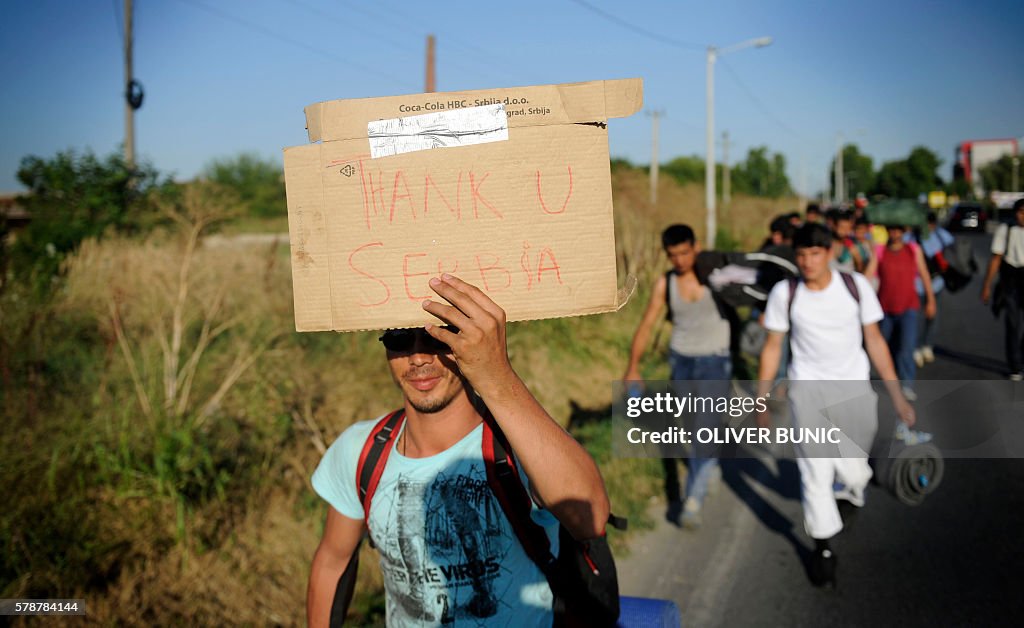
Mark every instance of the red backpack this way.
pixel 582 577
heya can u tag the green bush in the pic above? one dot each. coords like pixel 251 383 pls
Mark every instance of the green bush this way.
pixel 258 183
pixel 685 169
pixel 76 196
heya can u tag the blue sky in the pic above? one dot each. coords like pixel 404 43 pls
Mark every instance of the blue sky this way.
pixel 226 76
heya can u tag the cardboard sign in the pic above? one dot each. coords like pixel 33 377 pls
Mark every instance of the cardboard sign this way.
pixel 509 189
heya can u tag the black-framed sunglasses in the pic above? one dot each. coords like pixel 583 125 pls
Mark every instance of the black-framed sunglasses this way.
pixel 403 340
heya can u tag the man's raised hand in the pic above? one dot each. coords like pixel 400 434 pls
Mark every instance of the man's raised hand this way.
pixel 479 348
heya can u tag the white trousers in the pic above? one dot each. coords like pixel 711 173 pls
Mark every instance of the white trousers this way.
pixel 829 470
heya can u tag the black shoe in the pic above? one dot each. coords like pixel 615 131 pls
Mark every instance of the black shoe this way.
pixel 847 511
pixel 823 568
pixel 674 512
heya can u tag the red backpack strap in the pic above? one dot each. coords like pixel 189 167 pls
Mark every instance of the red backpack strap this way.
pixel 503 478
pixel 374 457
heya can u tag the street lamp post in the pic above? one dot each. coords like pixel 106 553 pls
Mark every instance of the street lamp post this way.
pixel 713 53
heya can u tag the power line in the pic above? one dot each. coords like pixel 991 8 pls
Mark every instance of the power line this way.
pixel 757 101
pixel 377 35
pixel 301 44
pixel 391 12
pixel 685 45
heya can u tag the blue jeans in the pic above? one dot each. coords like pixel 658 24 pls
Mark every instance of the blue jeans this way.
pixel 927 327
pixel 705 376
pixel 900 331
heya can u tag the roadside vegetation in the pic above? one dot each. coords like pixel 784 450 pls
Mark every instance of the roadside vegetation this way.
pixel 162 418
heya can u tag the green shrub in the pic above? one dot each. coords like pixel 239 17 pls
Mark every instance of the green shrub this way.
pixel 258 183
pixel 72 197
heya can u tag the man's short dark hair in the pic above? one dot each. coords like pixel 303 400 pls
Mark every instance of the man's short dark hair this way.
pixel 812 235
pixel 843 214
pixel 783 227
pixel 861 220
pixel 813 208
pixel 1018 205
pixel 932 217
pixel 677 234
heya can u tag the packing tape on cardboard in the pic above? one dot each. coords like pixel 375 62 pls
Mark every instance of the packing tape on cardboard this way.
pixel 442 129
pixel 625 292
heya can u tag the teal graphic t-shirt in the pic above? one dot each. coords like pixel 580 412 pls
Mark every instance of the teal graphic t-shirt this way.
pixel 448 554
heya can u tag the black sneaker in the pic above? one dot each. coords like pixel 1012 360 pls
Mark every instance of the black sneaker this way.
pixel 823 568
pixel 847 511
pixel 674 512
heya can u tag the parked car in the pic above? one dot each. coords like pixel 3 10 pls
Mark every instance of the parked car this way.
pixel 967 217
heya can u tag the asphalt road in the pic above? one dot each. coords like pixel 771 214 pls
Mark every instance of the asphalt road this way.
pixel 956 559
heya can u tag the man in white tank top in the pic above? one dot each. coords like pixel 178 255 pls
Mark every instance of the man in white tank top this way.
pixel 698 352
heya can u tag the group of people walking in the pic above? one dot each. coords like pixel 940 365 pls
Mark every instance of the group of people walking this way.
pixel 865 296
pixel 470 490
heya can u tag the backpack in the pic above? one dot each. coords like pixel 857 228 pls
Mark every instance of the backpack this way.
pixel 848 281
pixel 740 280
pixel 745 279
pixel 754 335
pixel 955 263
pixel 582 577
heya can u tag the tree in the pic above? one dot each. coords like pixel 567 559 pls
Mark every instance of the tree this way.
pixel 72 197
pixel 998 175
pixel 685 169
pixel 910 177
pixel 621 163
pixel 258 183
pixel 858 170
pixel 761 174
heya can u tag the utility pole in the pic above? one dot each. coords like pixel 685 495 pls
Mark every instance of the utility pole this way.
pixel 838 180
pixel 711 226
pixel 129 109
pixel 713 52
pixel 802 193
pixel 655 116
pixel 726 187
pixel 431 86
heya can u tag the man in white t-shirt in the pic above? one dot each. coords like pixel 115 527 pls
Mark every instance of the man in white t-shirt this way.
pixel 448 552
pixel 1008 260
pixel 831 319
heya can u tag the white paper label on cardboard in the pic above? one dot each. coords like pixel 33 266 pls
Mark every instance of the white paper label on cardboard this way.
pixel 443 129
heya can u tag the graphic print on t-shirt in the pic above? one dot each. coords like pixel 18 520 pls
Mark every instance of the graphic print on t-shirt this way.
pixel 444 546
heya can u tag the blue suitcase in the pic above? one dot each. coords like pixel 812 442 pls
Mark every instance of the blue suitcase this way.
pixel 643 612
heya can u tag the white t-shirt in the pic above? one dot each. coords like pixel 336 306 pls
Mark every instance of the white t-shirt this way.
pixel 826 331
pixel 1012 252
pixel 447 551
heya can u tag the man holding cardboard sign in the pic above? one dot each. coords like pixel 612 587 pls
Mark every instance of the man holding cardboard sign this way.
pixel 448 550
pixel 482 507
